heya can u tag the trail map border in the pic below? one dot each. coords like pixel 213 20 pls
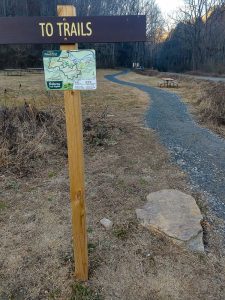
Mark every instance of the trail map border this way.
pixel 70 70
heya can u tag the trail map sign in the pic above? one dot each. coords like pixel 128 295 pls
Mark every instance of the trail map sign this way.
pixel 68 30
pixel 70 70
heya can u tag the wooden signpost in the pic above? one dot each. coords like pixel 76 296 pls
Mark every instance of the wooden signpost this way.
pixel 66 30
pixel 72 100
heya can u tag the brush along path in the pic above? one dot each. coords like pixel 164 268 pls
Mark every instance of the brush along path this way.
pixel 196 150
pixel 201 77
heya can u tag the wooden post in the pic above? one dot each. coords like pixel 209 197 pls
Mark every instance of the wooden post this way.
pixel 74 125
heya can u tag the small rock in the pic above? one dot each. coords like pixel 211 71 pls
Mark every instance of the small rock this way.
pixel 106 223
pixel 181 162
pixel 31 218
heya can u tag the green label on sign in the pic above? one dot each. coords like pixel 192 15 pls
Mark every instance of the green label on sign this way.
pixel 70 70
pixel 54 85
pixel 55 53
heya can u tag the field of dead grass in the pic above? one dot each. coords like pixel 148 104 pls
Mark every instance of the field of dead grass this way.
pixel 124 162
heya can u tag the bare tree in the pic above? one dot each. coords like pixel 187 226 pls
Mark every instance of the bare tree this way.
pixel 197 42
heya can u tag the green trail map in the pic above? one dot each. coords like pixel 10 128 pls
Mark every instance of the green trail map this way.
pixel 70 70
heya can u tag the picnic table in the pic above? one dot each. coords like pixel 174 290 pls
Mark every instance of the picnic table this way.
pixel 35 70
pixel 168 82
pixel 13 72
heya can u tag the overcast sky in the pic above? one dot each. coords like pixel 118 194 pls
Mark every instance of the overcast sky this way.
pixel 167 6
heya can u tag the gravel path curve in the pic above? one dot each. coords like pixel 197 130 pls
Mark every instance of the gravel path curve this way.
pixel 197 150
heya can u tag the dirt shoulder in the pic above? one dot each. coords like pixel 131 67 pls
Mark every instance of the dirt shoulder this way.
pixel 124 163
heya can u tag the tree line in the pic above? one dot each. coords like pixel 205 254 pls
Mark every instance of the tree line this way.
pixel 197 43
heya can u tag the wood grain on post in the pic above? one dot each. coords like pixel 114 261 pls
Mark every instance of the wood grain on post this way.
pixel 74 125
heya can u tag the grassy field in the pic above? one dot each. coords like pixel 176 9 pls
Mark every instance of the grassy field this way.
pixel 124 162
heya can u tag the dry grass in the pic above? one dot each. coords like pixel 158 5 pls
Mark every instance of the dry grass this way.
pixel 28 88
pixel 148 72
pixel 29 135
pixel 212 104
pixel 33 128
pixel 128 262
pixel 137 78
pixel 208 73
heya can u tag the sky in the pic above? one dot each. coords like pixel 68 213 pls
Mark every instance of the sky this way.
pixel 168 6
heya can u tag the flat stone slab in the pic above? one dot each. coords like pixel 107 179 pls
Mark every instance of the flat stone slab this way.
pixel 175 214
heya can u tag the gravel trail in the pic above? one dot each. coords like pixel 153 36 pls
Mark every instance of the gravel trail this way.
pixel 197 150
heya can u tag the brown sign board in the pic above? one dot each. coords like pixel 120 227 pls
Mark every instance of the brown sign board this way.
pixel 69 30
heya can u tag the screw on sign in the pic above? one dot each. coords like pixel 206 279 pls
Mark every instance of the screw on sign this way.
pixel 68 30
